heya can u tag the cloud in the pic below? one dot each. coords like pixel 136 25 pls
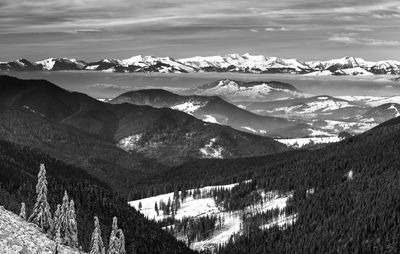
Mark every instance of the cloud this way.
pixel 353 38
pixel 180 28
pixel 272 29
pixel 108 86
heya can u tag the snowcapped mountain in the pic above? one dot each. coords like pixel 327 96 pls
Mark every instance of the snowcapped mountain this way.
pixel 140 64
pixel 59 64
pixel 215 110
pixel 19 236
pixel 19 65
pixel 245 63
pixel 247 91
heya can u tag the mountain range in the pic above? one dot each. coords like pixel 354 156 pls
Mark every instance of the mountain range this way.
pixel 216 110
pixel 229 63
pixel 117 143
pixel 270 108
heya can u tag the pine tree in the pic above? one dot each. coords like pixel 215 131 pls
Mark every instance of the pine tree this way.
pixel 96 243
pixel 41 215
pixel 64 220
pixel 156 208
pixel 57 237
pixel 121 242
pixel 117 239
pixel 113 245
pixel 22 213
pixel 57 221
pixel 72 229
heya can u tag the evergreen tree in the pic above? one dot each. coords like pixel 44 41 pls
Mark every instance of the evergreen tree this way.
pixel 113 246
pixel 22 213
pixel 57 237
pixel 64 220
pixel 121 242
pixel 96 243
pixel 140 206
pixel 41 215
pixel 117 239
pixel 57 222
pixel 156 208
pixel 72 229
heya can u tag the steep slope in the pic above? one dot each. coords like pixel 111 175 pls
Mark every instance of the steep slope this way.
pixel 19 236
pixel 247 91
pixel 216 110
pixel 19 167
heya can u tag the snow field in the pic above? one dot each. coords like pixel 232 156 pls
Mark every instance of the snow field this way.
pixel 201 207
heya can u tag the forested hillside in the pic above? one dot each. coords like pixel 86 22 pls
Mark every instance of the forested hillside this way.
pixel 19 167
pixel 355 203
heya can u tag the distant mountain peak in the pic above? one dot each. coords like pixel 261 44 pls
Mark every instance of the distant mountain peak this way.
pixel 234 62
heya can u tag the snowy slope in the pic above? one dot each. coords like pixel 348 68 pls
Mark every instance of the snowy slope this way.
pixel 373 101
pixel 18 236
pixel 52 64
pixel 203 206
pixel 161 64
pixel 245 63
pixel 247 91
pixel 300 142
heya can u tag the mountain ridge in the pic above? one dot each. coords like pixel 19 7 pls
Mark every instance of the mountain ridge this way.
pixel 245 63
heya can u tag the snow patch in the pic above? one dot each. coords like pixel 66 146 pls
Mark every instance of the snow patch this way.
pixel 211 150
pixel 206 206
pixel 130 143
pixel 189 107
pixel 300 142
pixel 210 119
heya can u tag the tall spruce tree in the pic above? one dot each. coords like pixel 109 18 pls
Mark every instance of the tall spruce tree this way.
pixel 41 214
pixel 57 222
pixel 121 242
pixel 113 246
pixel 117 239
pixel 72 228
pixel 22 213
pixel 96 243
pixel 64 220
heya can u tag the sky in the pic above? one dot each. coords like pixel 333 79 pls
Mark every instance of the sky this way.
pixel 302 29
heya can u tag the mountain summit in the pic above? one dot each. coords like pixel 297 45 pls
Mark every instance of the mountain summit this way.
pixel 245 63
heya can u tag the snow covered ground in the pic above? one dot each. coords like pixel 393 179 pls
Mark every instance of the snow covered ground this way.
pixel 212 150
pixel 373 101
pixel 300 142
pixel 355 127
pixel 18 236
pixel 189 107
pixel 201 207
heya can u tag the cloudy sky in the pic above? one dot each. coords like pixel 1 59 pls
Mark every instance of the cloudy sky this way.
pixel 304 29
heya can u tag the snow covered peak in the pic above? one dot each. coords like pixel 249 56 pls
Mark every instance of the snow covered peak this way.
pixel 257 90
pixel 61 64
pixel 245 63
